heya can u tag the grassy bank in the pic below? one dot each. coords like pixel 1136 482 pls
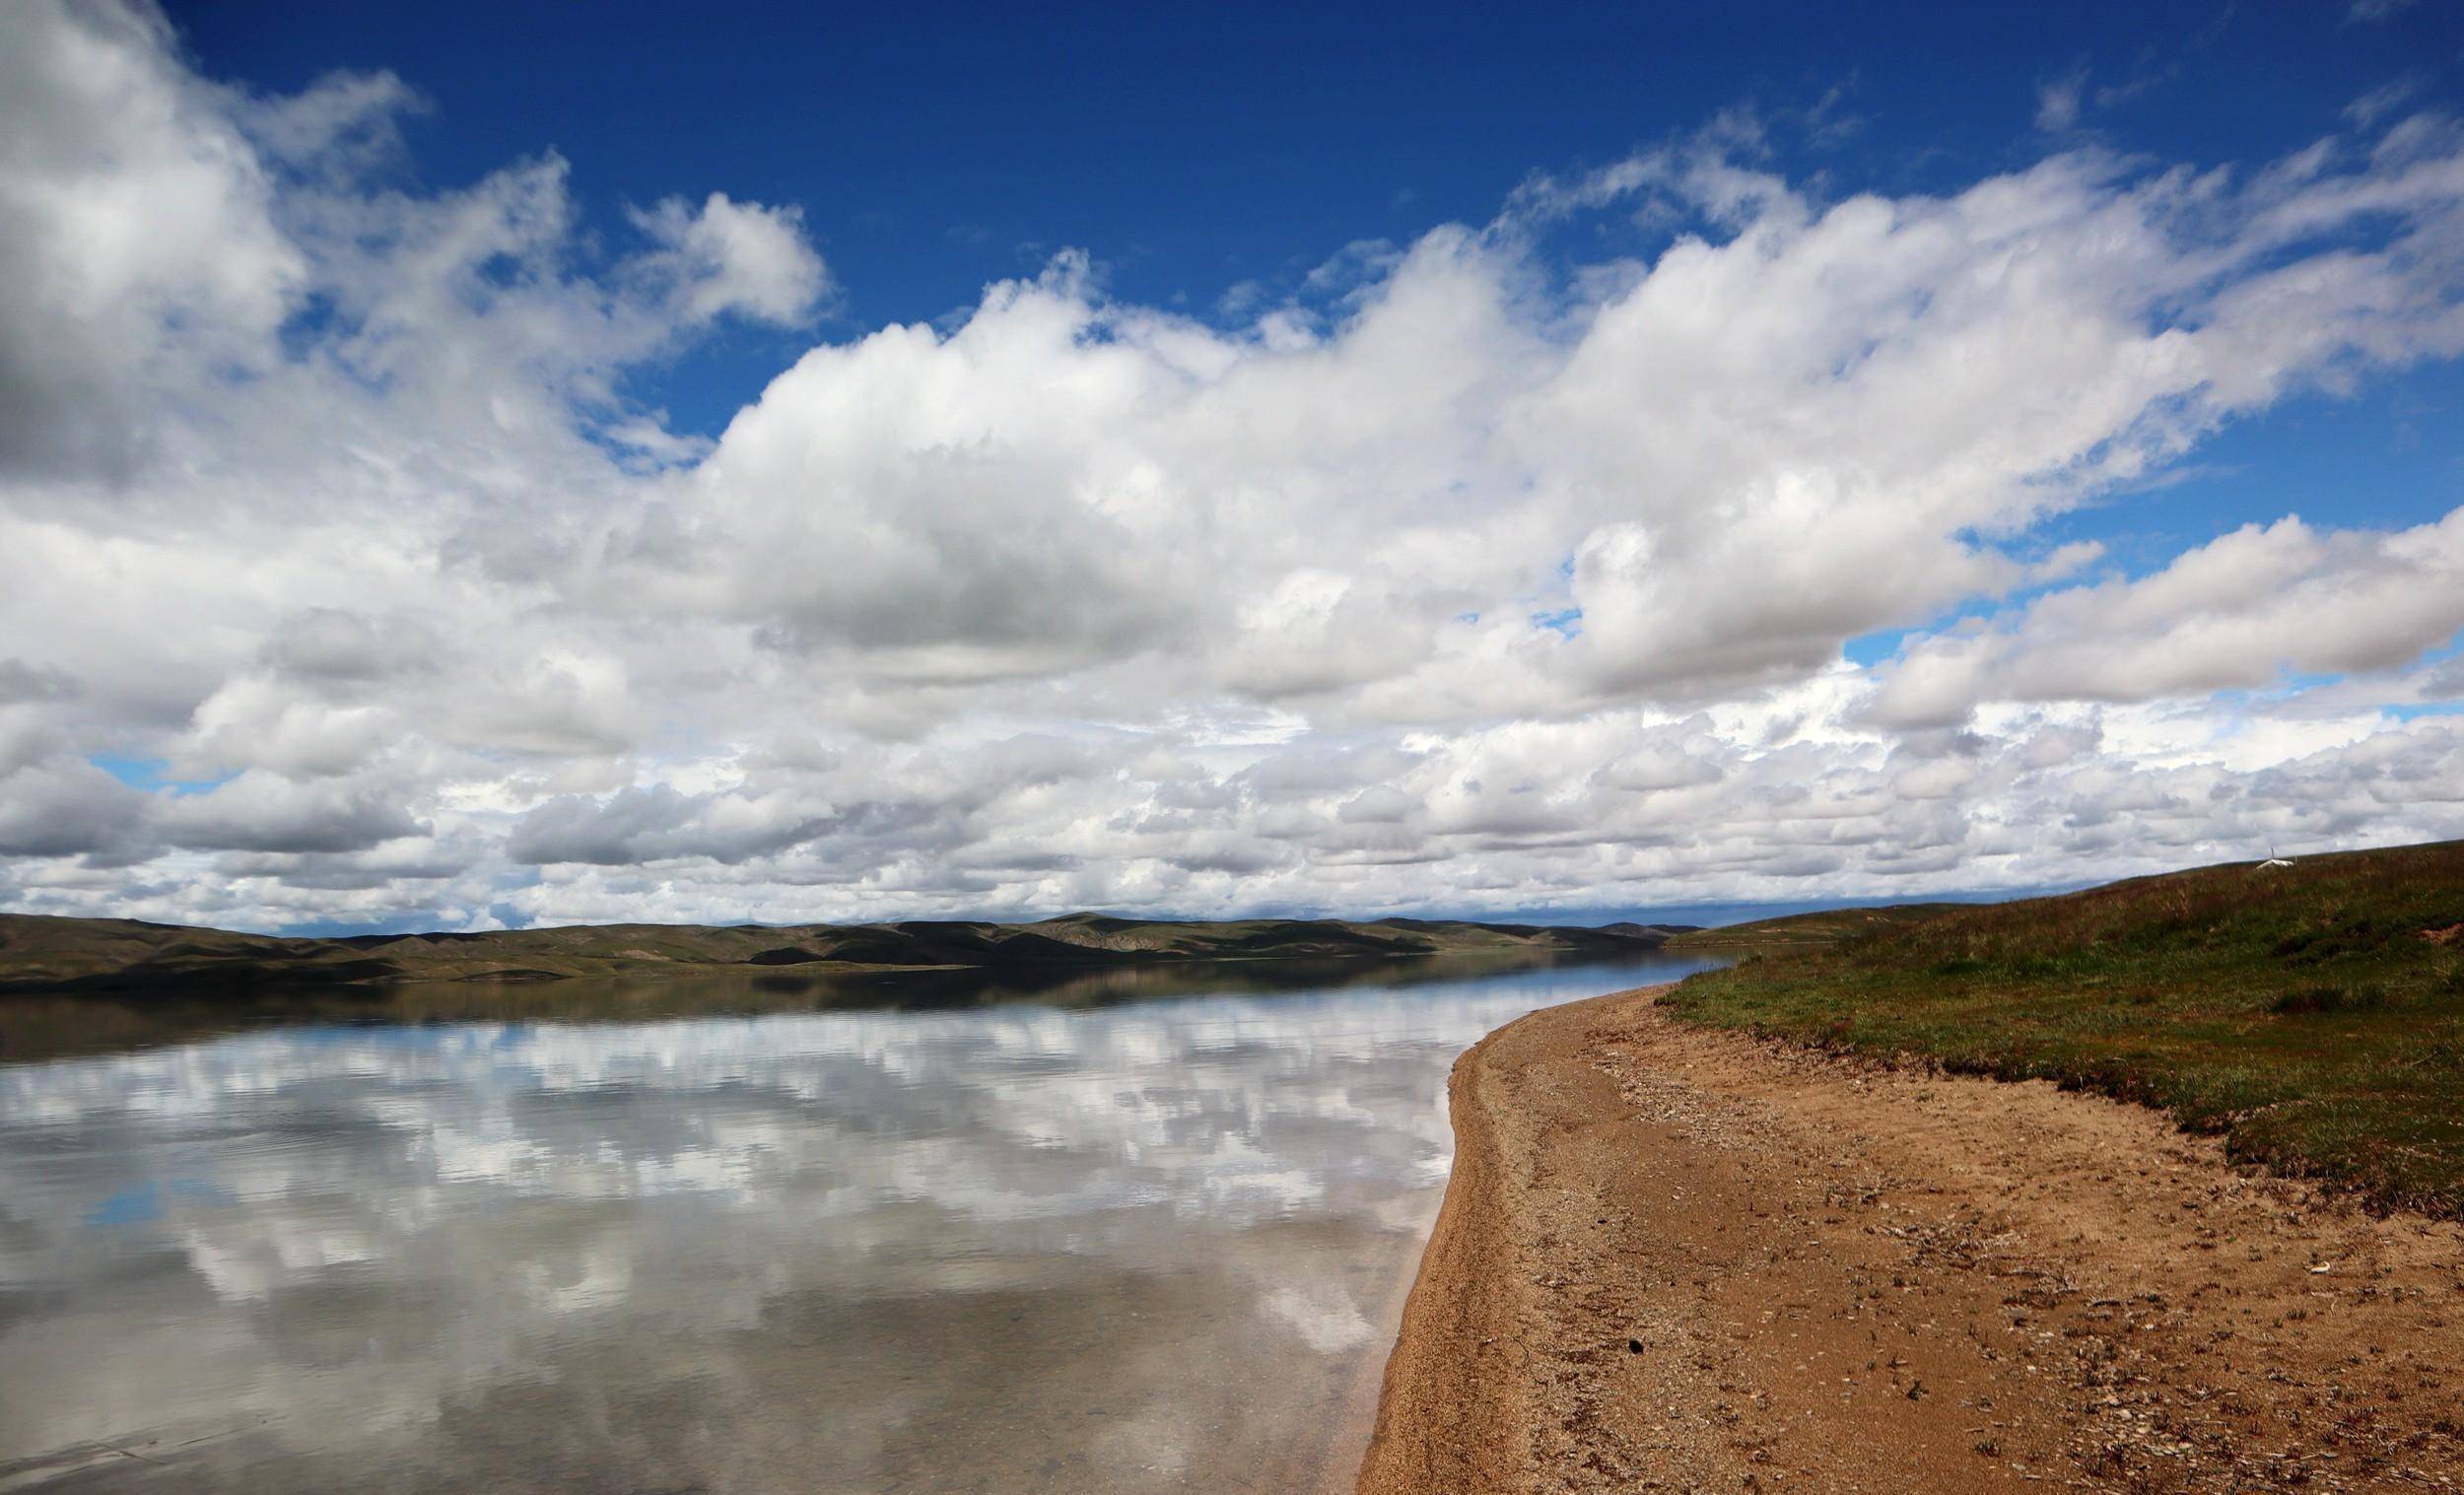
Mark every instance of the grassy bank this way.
pixel 2313 1014
pixel 1827 927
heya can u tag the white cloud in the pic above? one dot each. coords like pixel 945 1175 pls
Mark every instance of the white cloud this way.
pixel 1472 578
pixel 135 236
pixel 731 257
pixel 2058 101
pixel 658 823
pixel 263 811
pixel 52 804
pixel 2238 613
pixel 2384 99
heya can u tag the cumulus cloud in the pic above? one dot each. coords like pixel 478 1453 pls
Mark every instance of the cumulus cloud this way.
pixel 135 236
pixel 2239 612
pixel 264 811
pixel 656 824
pixel 1511 567
pixel 729 256
pixel 24 682
pixel 56 805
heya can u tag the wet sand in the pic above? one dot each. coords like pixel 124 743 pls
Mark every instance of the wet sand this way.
pixel 1675 1260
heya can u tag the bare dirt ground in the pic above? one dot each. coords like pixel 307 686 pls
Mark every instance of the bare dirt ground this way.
pixel 1675 1259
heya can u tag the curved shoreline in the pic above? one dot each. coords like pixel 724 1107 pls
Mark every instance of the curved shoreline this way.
pixel 1445 1421
pixel 1675 1256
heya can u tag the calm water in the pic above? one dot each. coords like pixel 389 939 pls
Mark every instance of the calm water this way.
pixel 1072 1243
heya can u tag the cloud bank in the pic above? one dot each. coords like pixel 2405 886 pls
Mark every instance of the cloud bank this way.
pixel 346 576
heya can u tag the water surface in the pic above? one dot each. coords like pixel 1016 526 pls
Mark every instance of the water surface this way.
pixel 1086 1241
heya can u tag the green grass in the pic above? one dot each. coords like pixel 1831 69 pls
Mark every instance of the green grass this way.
pixel 1829 926
pixel 2314 1016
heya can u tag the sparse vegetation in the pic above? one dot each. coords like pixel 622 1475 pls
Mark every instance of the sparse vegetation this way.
pixel 2313 1015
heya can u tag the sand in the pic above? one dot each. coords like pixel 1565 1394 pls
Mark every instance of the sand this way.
pixel 1677 1260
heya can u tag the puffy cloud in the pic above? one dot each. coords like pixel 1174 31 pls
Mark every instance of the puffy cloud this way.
pixel 2235 613
pixel 257 721
pixel 1479 571
pixel 262 811
pixel 731 257
pixel 136 236
pixel 56 805
pixel 337 644
pixel 22 682
pixel 654 824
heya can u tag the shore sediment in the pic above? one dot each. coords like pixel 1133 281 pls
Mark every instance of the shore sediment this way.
pixel 1674 1258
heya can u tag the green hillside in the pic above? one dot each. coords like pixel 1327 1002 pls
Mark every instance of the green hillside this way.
pixel 2313 1014
pixel 1829 927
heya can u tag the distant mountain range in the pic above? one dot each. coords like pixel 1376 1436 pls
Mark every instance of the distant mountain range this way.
pixel 42 953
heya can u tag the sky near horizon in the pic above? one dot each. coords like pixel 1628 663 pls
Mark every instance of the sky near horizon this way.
pixel 459 468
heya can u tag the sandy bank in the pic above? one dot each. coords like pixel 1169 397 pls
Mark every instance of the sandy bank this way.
pixel 1678 1259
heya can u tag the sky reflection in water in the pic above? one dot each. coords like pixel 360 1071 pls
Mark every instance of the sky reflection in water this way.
pixel 1012 1248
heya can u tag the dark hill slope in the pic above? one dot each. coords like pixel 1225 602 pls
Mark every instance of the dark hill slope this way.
pixel 43 953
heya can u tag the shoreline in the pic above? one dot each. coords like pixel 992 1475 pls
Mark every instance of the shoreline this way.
pixel 1352 1425
pixel 1673 1258
pixel 1445 1415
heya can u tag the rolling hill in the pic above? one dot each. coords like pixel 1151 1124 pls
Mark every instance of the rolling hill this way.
pixel 44 953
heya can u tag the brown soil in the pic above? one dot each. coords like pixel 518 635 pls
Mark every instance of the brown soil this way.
pixel 1674 1259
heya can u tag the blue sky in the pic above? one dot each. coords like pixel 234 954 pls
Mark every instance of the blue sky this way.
pixel 1193 148
pixel 509 464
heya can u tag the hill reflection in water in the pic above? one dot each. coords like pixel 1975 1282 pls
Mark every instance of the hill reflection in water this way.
pixel 923 1235
pixel 44 1027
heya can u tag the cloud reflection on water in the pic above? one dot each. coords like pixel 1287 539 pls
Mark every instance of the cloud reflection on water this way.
pixel 1178 1215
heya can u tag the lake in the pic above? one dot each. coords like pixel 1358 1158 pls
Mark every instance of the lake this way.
pixel 1137 1230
